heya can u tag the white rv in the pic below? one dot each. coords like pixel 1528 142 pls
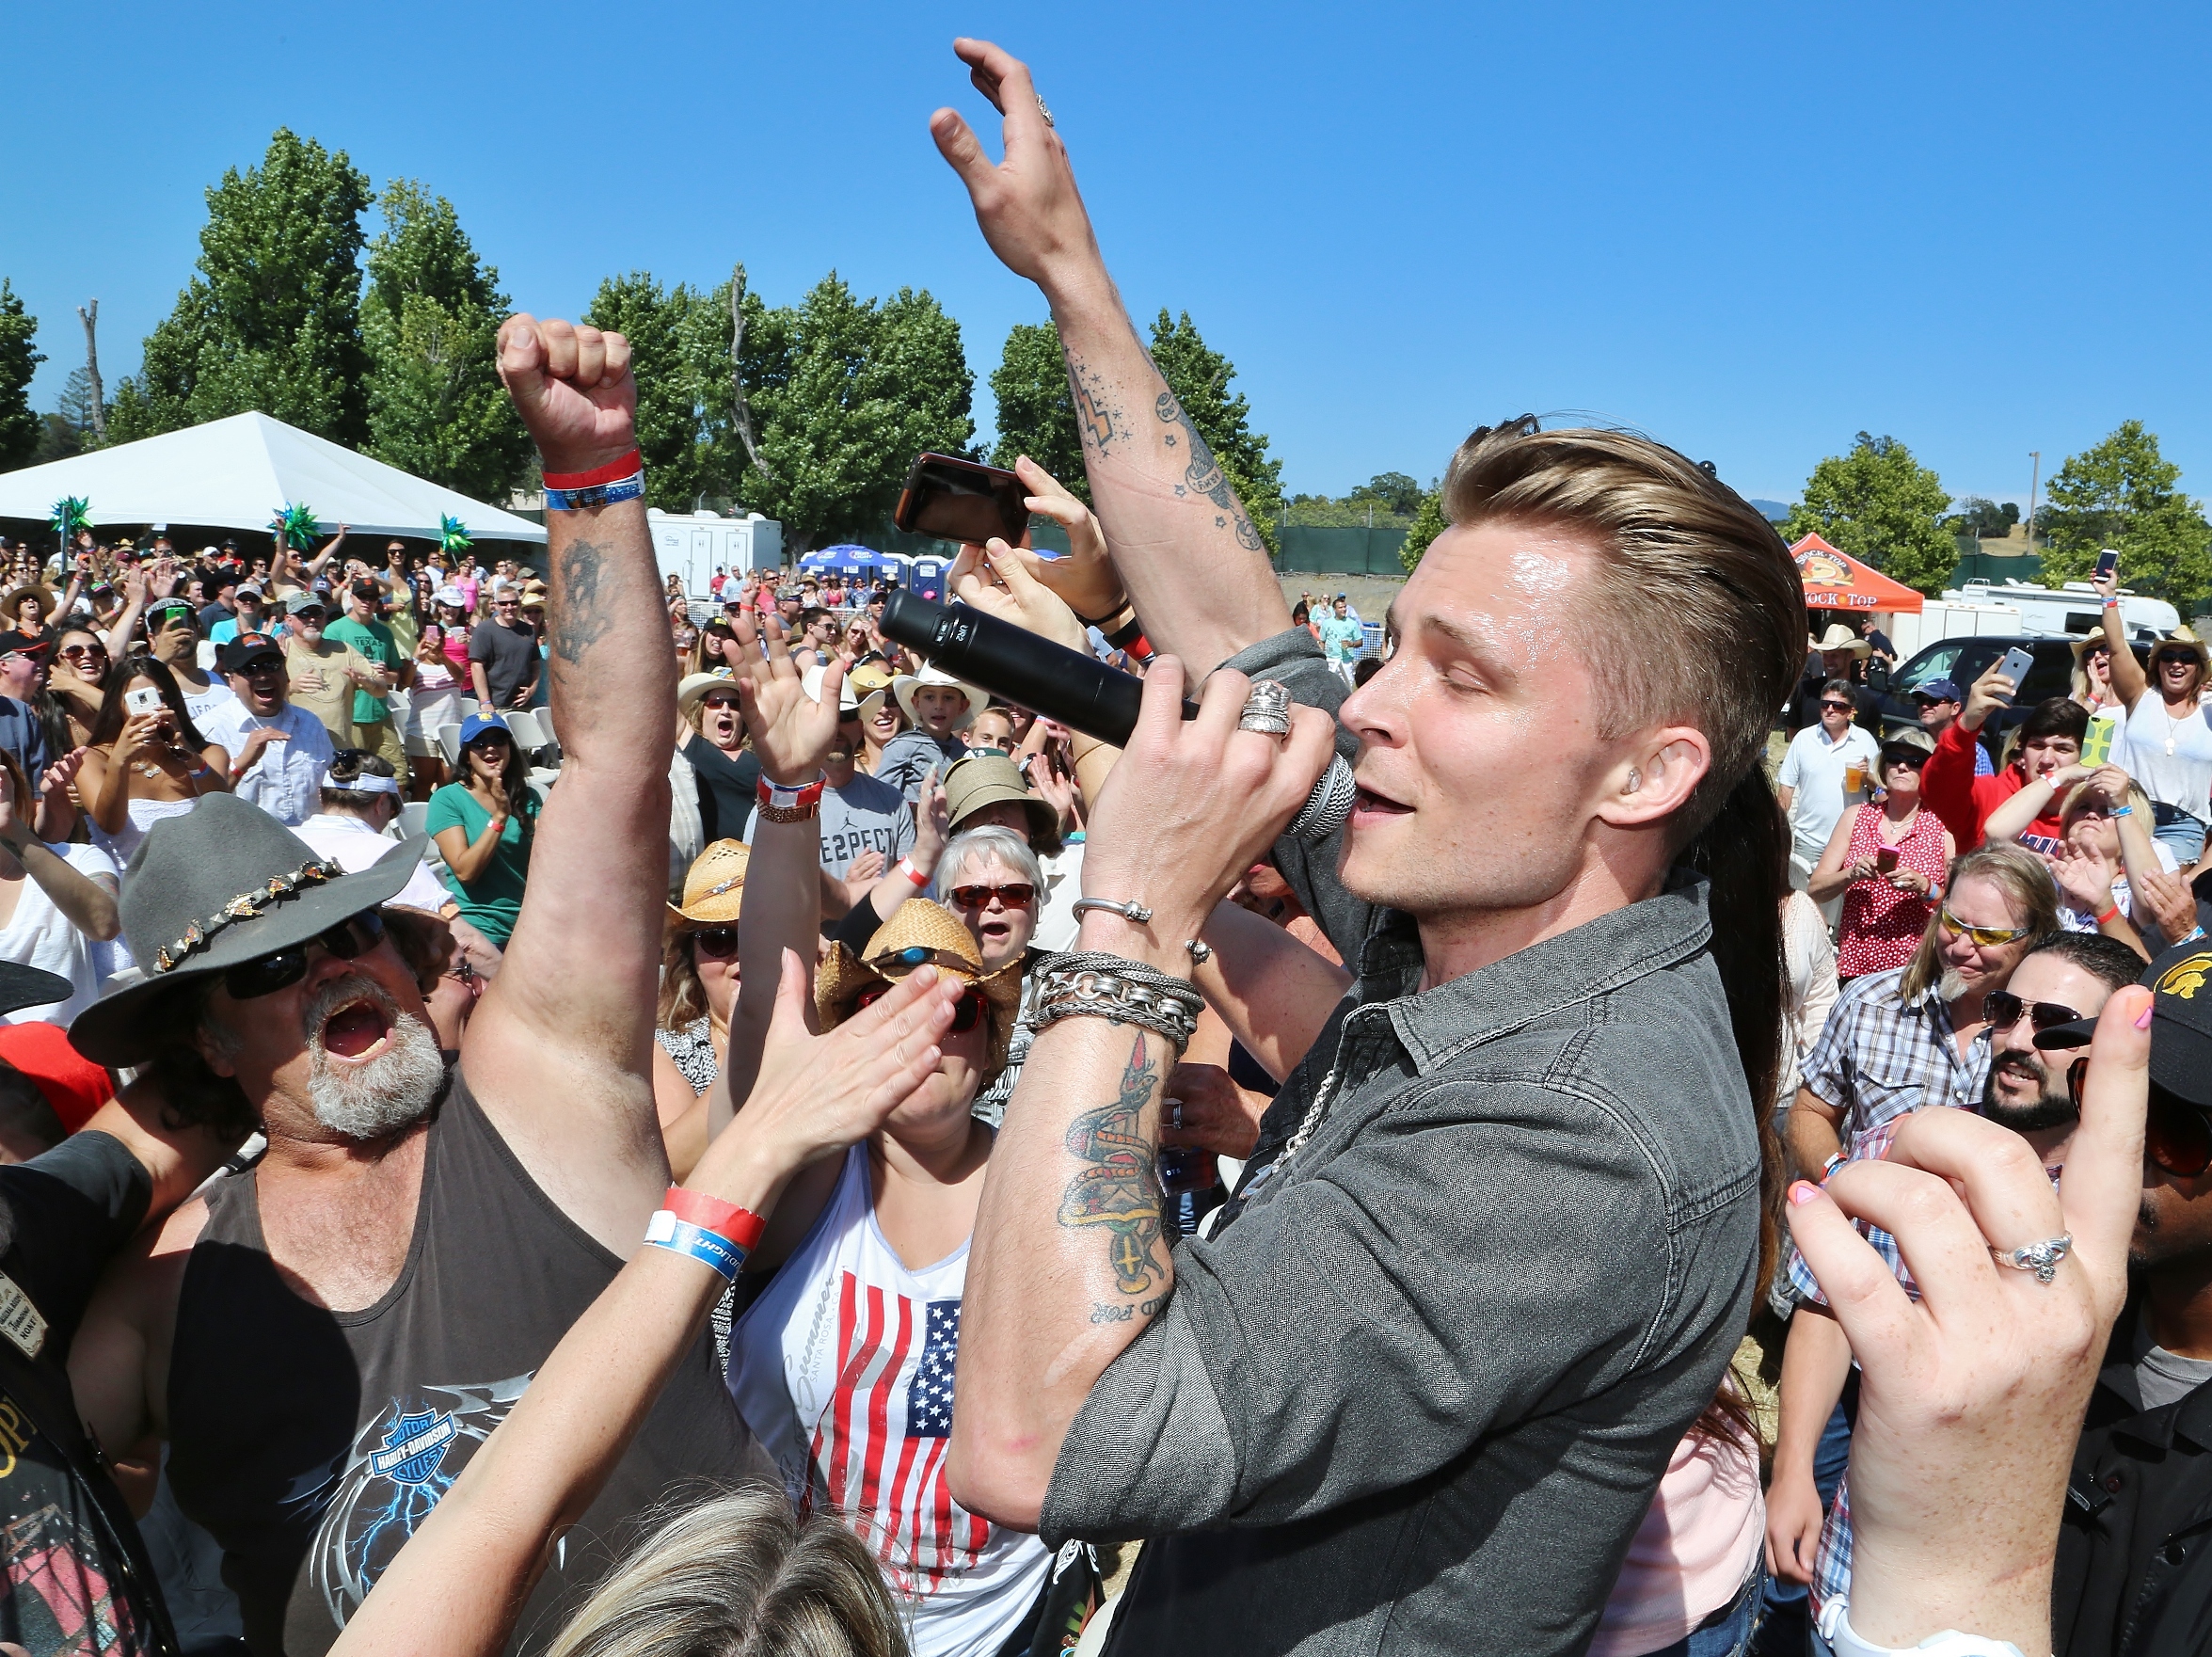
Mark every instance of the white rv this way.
pixel 2068 611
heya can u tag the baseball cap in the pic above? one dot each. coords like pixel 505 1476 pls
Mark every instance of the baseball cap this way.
pixel 300 603
pixel 247 590
pixel 247 647
pixel 162 606
pixel 477 723
pixel 1937 691
pixel 368 591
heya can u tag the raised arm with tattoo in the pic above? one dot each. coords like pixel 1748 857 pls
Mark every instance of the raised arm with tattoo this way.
pixel 1186 548
pixel 559 1051
pixel 1070 1263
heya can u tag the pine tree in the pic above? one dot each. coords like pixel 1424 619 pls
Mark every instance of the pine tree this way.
pixel 1036 415
pixel 20 428
pixel 430 319
pixel 1199 376
pixel 272 319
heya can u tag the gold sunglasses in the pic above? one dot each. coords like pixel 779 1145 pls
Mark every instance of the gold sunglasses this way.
pixel 1987 937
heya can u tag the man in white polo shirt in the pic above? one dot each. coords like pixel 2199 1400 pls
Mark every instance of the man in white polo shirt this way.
pixel 1810 783
pixel 279 753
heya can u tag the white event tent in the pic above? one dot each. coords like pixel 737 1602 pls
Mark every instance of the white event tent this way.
pixel 238 473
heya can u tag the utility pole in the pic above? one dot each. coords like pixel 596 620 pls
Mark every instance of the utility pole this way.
pixel 2034 479
pixel 91 320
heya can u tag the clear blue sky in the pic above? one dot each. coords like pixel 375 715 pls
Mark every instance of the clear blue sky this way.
pixel 1751 231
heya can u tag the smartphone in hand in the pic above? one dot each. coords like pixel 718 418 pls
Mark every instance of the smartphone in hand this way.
pixel 2108 561
pixel 2016 665
pixel 1885 859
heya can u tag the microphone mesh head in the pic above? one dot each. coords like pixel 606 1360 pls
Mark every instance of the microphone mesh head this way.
pixel 1328 806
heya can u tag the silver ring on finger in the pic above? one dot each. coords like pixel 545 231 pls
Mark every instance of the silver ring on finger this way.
pixel 1042 110
pixel 1267 709
pixel 2040 1258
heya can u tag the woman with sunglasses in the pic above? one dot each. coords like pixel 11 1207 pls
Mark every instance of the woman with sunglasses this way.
pixel 141 767
pixel 483 826
pixel 698 994
pixel 2169 734
pixel 2102 850
pixel 1886 861
pixel 79 680
pixel 991 879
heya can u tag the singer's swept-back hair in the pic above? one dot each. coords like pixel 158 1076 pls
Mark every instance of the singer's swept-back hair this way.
pixel 1695 615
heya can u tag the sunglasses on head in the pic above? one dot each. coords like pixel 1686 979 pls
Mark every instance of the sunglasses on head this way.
pixel 966 1012
pixel 1014 895
pixel 352 938
pixel 2004 1009
pixel 1987 937
pixel 716 943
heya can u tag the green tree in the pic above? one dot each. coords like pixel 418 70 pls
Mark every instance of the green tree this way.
pixel 845 394
pixel 20 428
pixel 1200 376
pixel 2121 493
pixel 430 318
pixel 1393 492
pixel 1429 523
pixel 1036 415
pixel 660 326
pixel 1883 508
pixel 272 319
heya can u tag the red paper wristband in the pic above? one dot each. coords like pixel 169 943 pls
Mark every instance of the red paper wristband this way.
pixel 612 472
pixel 742 1226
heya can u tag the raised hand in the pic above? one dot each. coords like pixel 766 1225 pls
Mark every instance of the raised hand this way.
pixel 1972 1396
pixel 2084 876
pixel 1217 1115
pixel 791 731
pixel 162 583
pixel 993 579
pixel 573 388
pixel 61 773
pixel 1084 578
pixel 1027 205
pixel 2168 898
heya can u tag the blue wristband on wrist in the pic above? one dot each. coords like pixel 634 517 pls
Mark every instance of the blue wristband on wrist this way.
pixel 628 488
pixel 680 1237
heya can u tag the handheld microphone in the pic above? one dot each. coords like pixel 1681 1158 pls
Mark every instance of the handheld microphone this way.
pixel 1067 686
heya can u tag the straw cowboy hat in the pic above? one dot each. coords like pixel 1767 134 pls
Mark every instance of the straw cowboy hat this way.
pixel 2093 640
pixel 907 684
pixel 714 889
pixel 221 885
pixel 1839 637
pixel 869 679
pixel 920 933
pixel 2186 636
pixel 695 686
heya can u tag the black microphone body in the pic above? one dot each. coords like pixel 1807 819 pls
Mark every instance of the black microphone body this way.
pixel 1073 689
pixel 1080 692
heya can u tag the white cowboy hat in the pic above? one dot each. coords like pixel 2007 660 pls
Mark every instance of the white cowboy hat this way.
pixel 906 684
pixel 693 688
pixel 1839 637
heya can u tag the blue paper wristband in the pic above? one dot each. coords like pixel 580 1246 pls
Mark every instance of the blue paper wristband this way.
pixel 629 489
pixel 680 1237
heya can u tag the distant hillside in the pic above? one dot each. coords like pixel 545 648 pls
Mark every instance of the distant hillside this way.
pixel 1774 511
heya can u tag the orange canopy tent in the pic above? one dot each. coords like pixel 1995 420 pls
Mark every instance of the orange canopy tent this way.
pixel 1836 581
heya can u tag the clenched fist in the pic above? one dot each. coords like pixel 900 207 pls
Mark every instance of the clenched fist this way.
pixel 572 385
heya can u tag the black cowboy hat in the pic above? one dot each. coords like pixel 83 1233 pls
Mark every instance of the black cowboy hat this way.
pixel 28 986
pixel 223 884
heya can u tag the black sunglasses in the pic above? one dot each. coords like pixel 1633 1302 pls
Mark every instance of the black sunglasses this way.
pixel 966 1012
pixel 718 943
pixel 2177 1134
pixel 351 938
pixel 1840 707
pixel 2004 1009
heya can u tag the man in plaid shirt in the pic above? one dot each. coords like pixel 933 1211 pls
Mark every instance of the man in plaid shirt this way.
pixel 2065 977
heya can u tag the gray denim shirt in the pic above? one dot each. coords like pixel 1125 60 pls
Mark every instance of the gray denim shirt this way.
pixel 1416 1393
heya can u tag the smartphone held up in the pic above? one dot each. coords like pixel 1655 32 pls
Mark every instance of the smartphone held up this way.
pixel 958 500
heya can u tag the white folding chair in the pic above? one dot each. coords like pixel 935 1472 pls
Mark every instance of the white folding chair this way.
pixel 449 738
pixel 523 726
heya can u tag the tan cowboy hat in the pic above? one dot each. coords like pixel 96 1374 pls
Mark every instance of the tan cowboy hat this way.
pixel 695 686
pixel 2186 635
pixel 985 778
pixel 2093 640
pixel 907 684
pixel 714 887
pixel 868 680
pixel 1839 637
pixel 920 933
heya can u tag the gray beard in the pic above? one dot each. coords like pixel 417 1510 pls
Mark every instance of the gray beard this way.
pixel 1951 986
pixel 393 1090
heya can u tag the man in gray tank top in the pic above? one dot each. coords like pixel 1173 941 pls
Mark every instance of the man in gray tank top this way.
pixel 325 1339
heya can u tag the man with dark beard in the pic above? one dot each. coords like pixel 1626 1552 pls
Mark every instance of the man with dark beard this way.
pixel 327 1339
pixel 2058 987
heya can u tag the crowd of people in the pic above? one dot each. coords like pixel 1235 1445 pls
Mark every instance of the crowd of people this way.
pixel 545 1112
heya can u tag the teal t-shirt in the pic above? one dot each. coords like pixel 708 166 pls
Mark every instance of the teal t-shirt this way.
pixel 492 902
pixel 1342 638
pixel 373 640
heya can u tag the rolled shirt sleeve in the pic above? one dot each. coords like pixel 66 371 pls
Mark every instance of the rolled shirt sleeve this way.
pixel 1366 1326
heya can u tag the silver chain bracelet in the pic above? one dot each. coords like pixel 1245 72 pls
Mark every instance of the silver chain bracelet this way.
pixel 1093 984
